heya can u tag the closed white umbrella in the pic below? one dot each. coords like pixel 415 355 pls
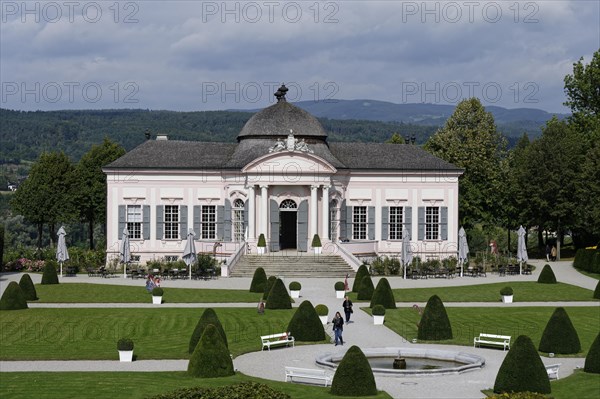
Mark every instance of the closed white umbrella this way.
pixel 406 254
pixel 125 253
pixel 463 249
pixel 521 249
pixel 62 254
pixel 189 252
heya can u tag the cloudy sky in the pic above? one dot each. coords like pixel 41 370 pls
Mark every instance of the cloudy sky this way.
pixel 208 55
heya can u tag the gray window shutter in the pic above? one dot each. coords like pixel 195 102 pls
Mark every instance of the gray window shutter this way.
pixel 227 221
pixel 303 226
pixel 371 222
pixel 444 222
pixel 274 218
pixel 245 218
pixel 221 223
pixel 349 222
pixel 421 221
pixel 385 222
pixel 197 220
pixel 122 219
pixel 407 219
pixel 146 225
pixel 160 217
pixel 183 221
pixel 342 227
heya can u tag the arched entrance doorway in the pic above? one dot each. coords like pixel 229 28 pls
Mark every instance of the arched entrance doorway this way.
pixel 288 217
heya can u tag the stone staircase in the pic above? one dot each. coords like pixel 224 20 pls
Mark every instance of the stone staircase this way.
pixel 296 264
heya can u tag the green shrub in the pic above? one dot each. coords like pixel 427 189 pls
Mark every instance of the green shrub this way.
pixel 547 276
pixel 560 336
pixel 434 325
pixel 506 291
pixel 125 344
pixel 360 274
pixel 50 276
pixel 259 280
pixel 354 376
pixel 261 241
pixel 279 298
pixel 245 390
pixel 28 288
pixel 157 291
pixel 597 291
pixel 208 317
pixel 13 298
pixel 316 241
pixel 596 263
pixel 522 370
pixel 295 286
pixel 268 287
pixel 519 395
pixel 211 357
pixel 322 310
pixel 1 246
pixel 586 259
pixel 365 292
pixel 339 286
pixel 305 325
pixel 383 295
pixel 592 360
pixel 378 310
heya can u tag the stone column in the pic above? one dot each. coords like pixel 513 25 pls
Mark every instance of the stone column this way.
pixel 313 212
pixel 325 214
pixel 264 209
pixel 251 213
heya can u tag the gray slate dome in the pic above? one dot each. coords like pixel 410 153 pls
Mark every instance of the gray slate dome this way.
pixel 278 119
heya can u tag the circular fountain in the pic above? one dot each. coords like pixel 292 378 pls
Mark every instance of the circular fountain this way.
pixel 411 361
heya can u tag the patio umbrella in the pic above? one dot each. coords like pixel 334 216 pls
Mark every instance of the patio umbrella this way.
pixel 406 254
pixel 125 254
pixel 62 254
pixel 463 249
pixel 189 252
pixel 521 249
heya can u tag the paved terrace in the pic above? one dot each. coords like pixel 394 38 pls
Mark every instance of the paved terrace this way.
pixel 360 332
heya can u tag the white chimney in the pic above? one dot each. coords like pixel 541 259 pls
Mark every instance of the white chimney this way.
pixel 162 137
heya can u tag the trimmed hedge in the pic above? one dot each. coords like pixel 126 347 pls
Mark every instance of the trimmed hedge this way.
pixel 547 276
pixel 360 274
pixel 268 286
pixel 211 357
pixel 13 298
pixel 522 369
pixel 560 336
pixel 28 288
pixel 306 324
pixel 259 280
pixel 1 246
pixel 50 276
pixel 365 292
pixel 246 390
pixel 592 360
pixel 587 260
pixel 354 376
pixel 435 324
pixel 597 291
pixel 383 295
pixel 279 297
pixel 519 395
pixel 125 344
pixel 322 310
pixel 208 317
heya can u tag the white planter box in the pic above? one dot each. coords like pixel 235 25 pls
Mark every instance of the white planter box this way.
pixel 125 356
pixel 295 294
pixel 317 250
pixel 323 320
pixel 340 294
pixel 507 298
pixel 260 250
pixel 378 320
pixel 156 300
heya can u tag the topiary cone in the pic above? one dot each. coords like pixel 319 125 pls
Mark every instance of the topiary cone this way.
pixel 28 288
pixel 209 317
pixel 268 286
pixel 435 324
pixel 522 370
pixel 592 360
pixel 306 324
pixel 365 292
pixel 279 298
pixel 547 276
pixel 354 376
pixel 383 295
pixel 259 280
pixel 360 274
pixel 597 291
pixel 211 357
pixel 49 276
pixel 560 336
pixel 13 298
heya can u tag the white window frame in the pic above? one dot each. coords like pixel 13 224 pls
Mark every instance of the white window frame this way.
pixel 359 222
pixel 432 223
pixel 334 219
pixel 237 219
pixel 171 222
pixel 135 219
pixel 208 220
pixel 395 219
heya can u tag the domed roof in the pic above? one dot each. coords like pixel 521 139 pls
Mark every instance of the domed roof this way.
pixel 278 119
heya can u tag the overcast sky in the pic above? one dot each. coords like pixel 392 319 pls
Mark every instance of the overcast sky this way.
pixel 209 55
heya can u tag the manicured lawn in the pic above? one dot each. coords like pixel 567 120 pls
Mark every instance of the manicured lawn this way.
pixel 133 385
pixel 101 293
pixel 164 333
pixel 524 292
pixel 469 322
pixel 579 385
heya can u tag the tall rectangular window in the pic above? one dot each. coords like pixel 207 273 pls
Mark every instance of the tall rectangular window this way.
pixel 359 223
pixel 432 223
pixel 209 222
pixel 134 221
pixel 395 219
pixel 238 220
pixel 171 222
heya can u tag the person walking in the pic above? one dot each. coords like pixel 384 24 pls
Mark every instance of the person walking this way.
pixel 548 252
pixel 347 305
pixel 553 253
pixel 338 328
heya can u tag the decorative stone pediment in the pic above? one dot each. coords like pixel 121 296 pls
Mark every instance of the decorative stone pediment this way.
pixel 290 144
pixel 289 167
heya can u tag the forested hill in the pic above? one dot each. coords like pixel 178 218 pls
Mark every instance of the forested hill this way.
pixel 24 135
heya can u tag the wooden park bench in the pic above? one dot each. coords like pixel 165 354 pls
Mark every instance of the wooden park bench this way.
pixel 502 341
pixel 283 338
pixel 311 374
pixel 552 370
